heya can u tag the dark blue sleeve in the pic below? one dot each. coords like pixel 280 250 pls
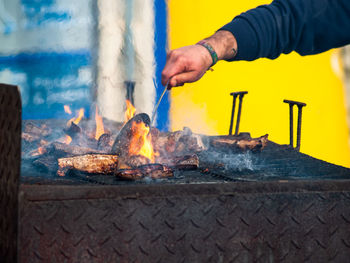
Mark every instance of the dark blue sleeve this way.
pixel 305 26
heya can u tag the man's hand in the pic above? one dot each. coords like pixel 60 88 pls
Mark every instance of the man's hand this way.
pixel 188 64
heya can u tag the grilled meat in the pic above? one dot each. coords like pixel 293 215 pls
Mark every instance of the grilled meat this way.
pixel 89 163
pixel 154 171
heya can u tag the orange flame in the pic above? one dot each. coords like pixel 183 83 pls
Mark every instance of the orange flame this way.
pixel 130 111
pixel 67 109
pixel 141 141
pixel 67 139
pixel 80 116
pixel 41 150
pixel 99 125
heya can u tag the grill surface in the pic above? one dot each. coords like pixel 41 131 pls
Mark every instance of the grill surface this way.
pixel 284 207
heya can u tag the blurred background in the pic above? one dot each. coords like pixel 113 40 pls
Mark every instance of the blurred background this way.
pixel 319 81
pixel 86 52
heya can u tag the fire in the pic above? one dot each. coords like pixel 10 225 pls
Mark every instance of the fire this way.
pixel 141 141
pixel 67 139
pixel 41 150
pixel 130 111
pixel 67 109
pixel 99 125
pixel 77 119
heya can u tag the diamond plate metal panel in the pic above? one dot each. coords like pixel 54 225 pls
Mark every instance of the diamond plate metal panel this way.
pixel 165 224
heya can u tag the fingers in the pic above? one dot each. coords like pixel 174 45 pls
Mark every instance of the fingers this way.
pixel 182 78
pixel 175 64
pixel 186 64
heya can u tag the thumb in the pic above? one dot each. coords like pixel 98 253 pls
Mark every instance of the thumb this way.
pixel 182 78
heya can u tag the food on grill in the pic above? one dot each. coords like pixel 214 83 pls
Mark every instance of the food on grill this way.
pixel 33 130
pixel 89 163
pixel 72 130
pixel 177 143
pixel 28 137
pixel 184 162
pixel 122 141
pixel 137 160
pixel 105 142
pixel 187 162
pixel 136 151
pixel 62 149
pixel 46 163
pixel 154 171
pixel 236 143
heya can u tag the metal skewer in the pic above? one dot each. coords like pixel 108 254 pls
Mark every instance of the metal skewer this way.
pixel 159 100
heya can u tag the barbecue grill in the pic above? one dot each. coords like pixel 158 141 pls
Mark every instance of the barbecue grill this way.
pixel 280 206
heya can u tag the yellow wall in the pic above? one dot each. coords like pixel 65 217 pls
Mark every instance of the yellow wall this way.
pixel 205 106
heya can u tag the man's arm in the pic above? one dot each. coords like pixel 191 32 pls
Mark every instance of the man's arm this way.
pixel 306 26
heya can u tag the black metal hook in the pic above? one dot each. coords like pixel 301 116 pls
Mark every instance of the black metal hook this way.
pixel 300 106
pixel 130 86
pixel 239 94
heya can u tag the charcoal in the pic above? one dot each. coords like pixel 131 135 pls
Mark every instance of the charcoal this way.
pixel 88 163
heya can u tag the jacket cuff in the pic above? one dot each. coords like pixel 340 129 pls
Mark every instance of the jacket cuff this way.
pixel 246 37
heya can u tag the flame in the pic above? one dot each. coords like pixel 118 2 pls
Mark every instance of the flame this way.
pixel 141 141
pixel 67 109
pixel 41 150
pixel 99 125
pixel 80 116
pixel 130 111
pixel 67 139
